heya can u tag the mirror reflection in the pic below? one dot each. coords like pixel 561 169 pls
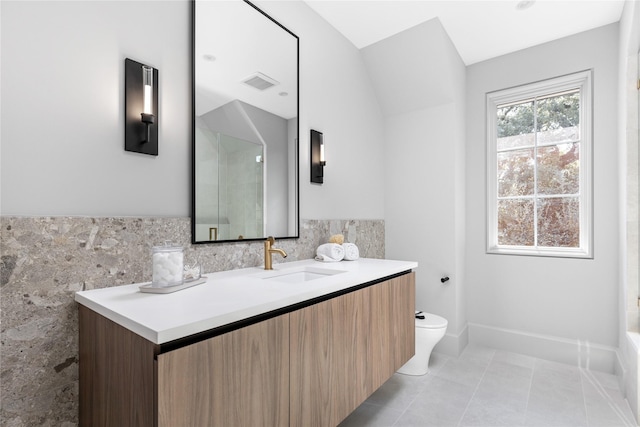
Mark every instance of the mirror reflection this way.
pixel 245 142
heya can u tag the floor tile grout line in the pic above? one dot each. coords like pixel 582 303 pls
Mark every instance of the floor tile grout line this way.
pixel 476 389
pixel 526 408
pixel 584 395
pixel 408 405
pixel 415 397
pixel 603 393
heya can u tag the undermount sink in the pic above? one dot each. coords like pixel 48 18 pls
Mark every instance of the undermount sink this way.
pixel 299 275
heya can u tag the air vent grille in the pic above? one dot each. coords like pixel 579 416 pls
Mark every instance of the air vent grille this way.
pixel 260 81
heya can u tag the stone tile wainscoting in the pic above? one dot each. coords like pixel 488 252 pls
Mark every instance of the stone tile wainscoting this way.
pixel 46 259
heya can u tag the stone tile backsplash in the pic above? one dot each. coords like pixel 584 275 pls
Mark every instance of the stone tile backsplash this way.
pixel 46 259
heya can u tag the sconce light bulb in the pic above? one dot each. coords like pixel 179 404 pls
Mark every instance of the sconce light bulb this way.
pixel 147 100
pixel 147 81
pixel 322 154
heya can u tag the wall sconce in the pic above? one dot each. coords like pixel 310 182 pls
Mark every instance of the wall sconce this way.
pixel 317 157
pixel 140 108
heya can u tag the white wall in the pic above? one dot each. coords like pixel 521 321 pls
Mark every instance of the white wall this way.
pixel 62 133
pixel 62 108
pixel 419 79
pixel 519 302
pixel 421 212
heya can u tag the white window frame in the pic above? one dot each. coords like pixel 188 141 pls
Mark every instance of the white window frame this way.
pixel 582 81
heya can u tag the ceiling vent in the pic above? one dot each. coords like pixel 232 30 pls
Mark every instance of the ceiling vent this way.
pixel 259 81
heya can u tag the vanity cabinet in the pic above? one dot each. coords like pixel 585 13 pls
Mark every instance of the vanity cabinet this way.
pixel 310 364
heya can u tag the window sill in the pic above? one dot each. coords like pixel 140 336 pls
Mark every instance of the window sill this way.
pixel 540 252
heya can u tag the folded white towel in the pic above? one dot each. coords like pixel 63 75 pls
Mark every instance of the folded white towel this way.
pixel 330 252
pixel 351 251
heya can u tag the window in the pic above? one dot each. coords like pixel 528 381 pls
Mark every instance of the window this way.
pixel 539 168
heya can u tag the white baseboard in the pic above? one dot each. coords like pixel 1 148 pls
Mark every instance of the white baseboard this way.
pixel 453 344
pixel 573 352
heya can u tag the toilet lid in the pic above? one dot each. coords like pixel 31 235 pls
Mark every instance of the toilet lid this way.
pixel 431 321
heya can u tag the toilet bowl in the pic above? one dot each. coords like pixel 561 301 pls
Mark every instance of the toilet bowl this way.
pixel 429 331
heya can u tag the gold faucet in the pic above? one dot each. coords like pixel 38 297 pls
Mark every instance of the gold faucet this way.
pixel 268 250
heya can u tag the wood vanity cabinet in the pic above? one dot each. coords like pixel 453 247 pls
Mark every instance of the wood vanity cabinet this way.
pixel 311 366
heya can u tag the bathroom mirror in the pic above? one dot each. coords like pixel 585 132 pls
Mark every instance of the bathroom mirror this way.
pixel 245 124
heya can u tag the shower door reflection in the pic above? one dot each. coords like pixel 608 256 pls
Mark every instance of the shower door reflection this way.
pixel 230 192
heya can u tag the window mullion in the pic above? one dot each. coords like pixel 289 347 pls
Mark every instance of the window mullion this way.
pixel 535 173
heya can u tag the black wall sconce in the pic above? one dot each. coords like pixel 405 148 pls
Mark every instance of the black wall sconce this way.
pixel 317 157
pixel 140 108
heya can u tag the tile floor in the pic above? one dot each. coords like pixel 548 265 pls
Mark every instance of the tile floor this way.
pixel 486 387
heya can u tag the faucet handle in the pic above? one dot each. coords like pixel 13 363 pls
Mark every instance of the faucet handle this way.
pixel 271 240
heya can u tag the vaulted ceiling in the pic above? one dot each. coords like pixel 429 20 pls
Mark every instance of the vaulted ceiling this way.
pixel 479 29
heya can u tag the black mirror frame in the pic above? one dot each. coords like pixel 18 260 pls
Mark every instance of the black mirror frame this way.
pixel 193 133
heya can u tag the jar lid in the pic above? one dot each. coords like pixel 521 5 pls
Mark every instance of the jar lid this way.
pixel 167 247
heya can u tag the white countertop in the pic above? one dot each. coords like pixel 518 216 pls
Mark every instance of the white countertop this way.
pixel 227 297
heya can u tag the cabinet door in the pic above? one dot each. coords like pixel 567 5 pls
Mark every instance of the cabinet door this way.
pixel 392 327
pixel 344 349
pixel 329 359
pixel 116 374
pixel 240 378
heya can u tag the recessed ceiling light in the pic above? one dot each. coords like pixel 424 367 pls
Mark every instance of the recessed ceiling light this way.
pixel 525 4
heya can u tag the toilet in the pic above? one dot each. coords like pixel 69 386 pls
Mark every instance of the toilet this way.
pixel 429 331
